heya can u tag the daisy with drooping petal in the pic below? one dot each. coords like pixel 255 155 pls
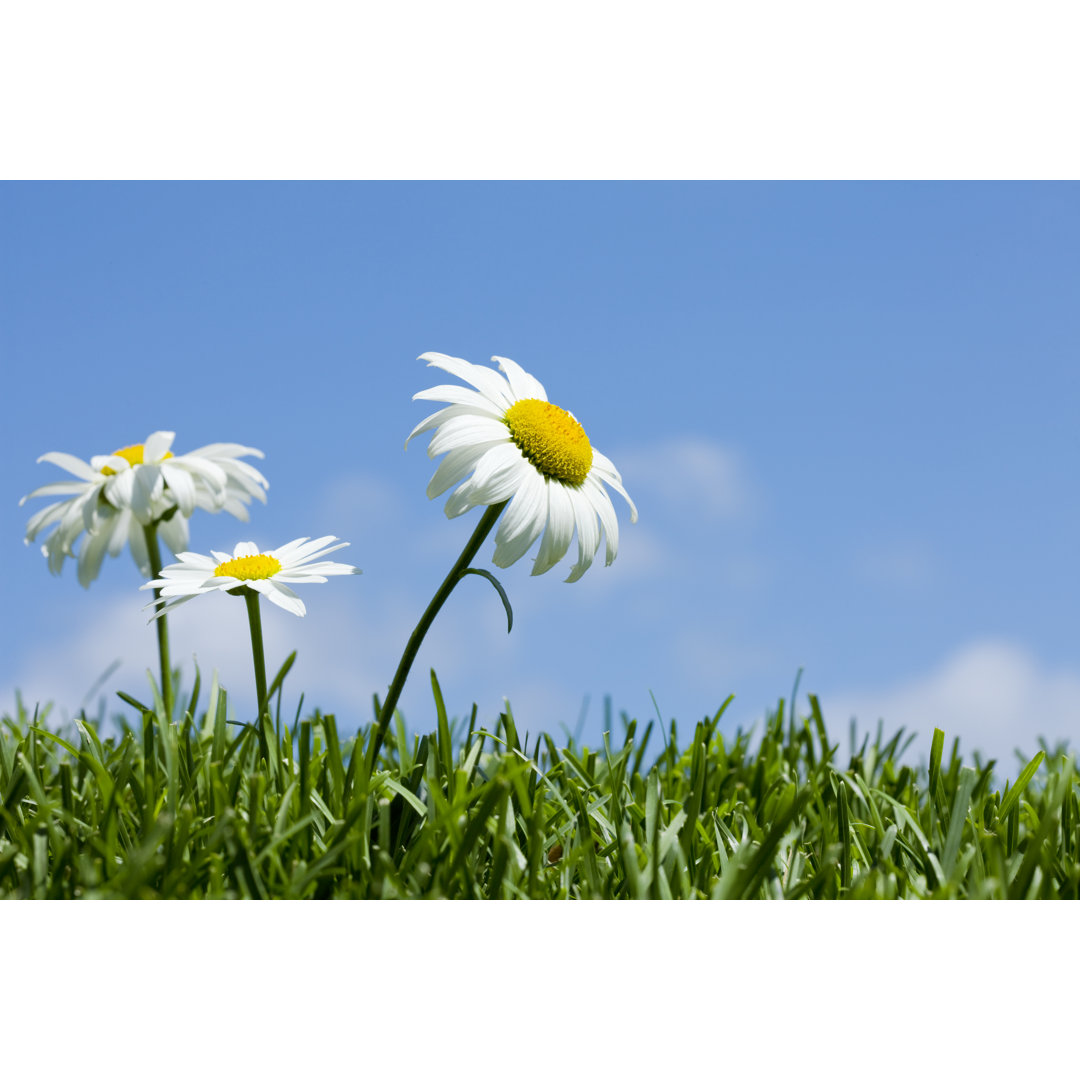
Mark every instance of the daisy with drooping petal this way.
pixel 115 497
pixel 268 573
pixel 132 497
pixel 504 441
pixel 509 449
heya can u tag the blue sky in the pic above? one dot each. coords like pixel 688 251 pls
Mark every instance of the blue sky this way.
pixel 846 412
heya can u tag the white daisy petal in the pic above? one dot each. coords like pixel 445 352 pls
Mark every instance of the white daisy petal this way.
pixel 455 467
pixel 588 532
pixel 55 552
pixel 226 450
pixel 182 485
pixel 437 418
pixel 91 556
pixel 157 446
pixel 298 553
pixel 307 564
pixel 498 475
pixel 119 489
pixel 244 475
pixel 529 504
pixel 490 383
pixel 601 501
pixel 146 490
pixel 164 606
pixel 333 569
pixel 63 487
pixel 46 517
pixel 214 479
pixel 460 502
pixel 237 508
pixel 85 508
pixel 70 464
pixel 286 551
pixel 174 532
pixel 607 472
pixel 193 561
pixel 522 522
pixel 560 528
pixel 120 530
pixel 460 395
pixel 136 539
pixel 522 384
pixel 466 431
pixel 281 595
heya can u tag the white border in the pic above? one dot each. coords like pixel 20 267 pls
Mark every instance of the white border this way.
pixel 585 89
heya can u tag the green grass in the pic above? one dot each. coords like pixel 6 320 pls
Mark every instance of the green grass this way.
pixel 202 808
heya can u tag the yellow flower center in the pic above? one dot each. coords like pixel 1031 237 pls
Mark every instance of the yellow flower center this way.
pixel 551 439
pixel 133 455
pixel 249 568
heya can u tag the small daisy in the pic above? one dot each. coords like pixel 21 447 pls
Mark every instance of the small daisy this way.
pixel 266 572
pixel 115 496
pixel 519 447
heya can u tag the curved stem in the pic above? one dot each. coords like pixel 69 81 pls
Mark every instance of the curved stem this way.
pixel 162 622
pixel 251 598
pixel 413 647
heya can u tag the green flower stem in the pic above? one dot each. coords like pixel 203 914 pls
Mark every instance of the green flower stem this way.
pixel 162 622
pixel 386 713
pixel 251 598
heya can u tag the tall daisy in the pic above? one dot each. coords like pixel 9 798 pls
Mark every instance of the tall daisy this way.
pixel 250 573
pixel 504 440
pixel 508 448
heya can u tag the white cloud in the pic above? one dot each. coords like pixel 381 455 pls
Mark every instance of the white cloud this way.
pixel 65 670
pixel 994 695
pixel 337 655
pixel 348 647
pixel 683 487
pixel 706 656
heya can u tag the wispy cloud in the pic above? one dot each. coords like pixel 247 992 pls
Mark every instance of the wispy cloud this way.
pixel 694 474
pixel 337 655
pixel 994 695
pixel 902 563
pixel 361 505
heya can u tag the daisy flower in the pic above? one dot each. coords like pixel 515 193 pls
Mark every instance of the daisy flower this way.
pixel 267 572
pixel 518 446
pixel 114 497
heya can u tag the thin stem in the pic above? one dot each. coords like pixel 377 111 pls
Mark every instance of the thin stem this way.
pixel 386 713
pixel 251 598
pixel 162 622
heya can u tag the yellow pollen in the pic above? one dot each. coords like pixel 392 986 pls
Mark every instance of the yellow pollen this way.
pixel 133 455
pixel 249 568
pixel 551 439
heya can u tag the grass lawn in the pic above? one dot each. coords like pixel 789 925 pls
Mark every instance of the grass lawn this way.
pixel 199 807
